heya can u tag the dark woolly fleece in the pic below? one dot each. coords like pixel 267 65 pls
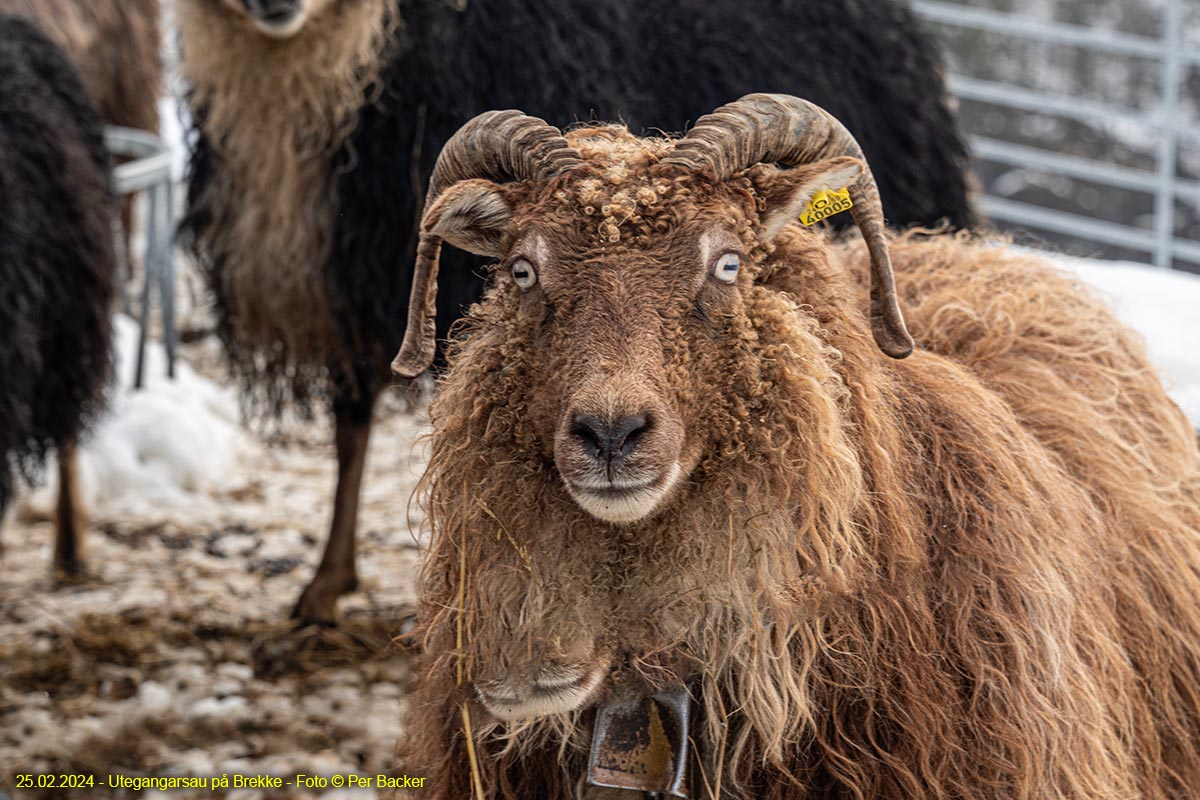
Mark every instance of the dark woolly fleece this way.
pixel 56 252
pixel 115 45
pixel 651 63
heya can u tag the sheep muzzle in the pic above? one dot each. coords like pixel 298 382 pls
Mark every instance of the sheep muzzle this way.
pixel 617 449
pixel 545 686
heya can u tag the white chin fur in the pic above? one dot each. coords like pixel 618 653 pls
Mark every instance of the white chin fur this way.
pixel 542 705
pixel 627 507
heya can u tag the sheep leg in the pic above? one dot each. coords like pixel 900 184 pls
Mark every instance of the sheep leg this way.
pixel 337 575
pixel 69 519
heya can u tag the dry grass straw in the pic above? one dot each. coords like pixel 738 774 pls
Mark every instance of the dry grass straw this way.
pixel 466 711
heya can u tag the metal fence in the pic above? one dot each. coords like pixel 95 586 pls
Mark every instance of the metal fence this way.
pixel 149 172
pixel 1161 243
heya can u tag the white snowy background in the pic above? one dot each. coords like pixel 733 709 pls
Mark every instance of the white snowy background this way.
pixel 167 448
pixel 1164 306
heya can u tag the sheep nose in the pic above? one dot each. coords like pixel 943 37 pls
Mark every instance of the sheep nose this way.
pixel 609 441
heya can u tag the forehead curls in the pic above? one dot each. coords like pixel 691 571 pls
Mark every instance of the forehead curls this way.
pixel 627 199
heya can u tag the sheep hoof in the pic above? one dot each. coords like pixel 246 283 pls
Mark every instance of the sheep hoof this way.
pixel 318 603
pixel 70 572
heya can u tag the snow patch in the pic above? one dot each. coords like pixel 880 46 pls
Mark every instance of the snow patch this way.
pixel 163 450
pixel 1161 304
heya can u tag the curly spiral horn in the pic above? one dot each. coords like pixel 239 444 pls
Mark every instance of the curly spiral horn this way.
pixel 500 146
pixel 770 128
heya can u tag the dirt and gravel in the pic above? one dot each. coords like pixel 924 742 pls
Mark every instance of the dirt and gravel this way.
pixel 176 656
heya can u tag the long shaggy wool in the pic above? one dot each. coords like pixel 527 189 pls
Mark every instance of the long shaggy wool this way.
pixel 973 573
pixel 116 47
pixel 308 168
pixel 57 265
pixel 262 209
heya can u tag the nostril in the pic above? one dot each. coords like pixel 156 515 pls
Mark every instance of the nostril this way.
pixel 605 441
pixel 628 431
pixel 592 435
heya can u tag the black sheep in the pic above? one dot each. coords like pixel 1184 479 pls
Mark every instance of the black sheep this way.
pixel 57 268
pixel 318 122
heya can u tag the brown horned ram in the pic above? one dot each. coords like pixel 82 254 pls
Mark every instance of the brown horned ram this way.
pixel 669 452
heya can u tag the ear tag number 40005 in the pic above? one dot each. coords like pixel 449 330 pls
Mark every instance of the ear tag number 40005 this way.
pixel 824 204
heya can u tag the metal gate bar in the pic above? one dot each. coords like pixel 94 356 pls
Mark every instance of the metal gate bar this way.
pixel 150 172
pixel 1160 243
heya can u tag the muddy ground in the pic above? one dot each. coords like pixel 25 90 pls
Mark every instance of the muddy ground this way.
pixel 176 657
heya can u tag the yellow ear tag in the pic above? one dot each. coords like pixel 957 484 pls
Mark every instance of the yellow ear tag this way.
pixel 824 204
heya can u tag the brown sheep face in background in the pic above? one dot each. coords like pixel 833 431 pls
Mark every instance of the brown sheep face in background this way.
pixel 279 19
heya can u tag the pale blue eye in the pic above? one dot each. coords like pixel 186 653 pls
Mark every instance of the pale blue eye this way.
pixel 726 268
pixel 523 273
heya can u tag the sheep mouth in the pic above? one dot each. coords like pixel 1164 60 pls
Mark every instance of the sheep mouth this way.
pixel 280 24
pixel 541 698
pixel 623 502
